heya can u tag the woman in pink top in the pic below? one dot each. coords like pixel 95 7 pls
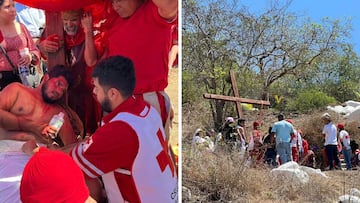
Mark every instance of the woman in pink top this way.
pixel 15 37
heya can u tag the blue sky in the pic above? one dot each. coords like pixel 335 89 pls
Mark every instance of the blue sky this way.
pixel 318 9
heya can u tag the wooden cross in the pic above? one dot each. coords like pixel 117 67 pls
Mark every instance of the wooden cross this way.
pixel 237 99
pixel 236 93
pixel 54 25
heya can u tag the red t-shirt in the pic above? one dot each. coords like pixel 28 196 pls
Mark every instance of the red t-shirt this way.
pixel 146 39
pixel 305 146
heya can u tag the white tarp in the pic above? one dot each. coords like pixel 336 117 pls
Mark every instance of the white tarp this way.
pixel 350 110
pixel 293 171
pixel 313 171
pixel 12 163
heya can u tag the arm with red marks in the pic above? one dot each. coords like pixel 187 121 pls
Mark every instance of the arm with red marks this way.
pixel 15 115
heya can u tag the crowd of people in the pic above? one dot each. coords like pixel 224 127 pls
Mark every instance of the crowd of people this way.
pixel 283 142
pixel 111 91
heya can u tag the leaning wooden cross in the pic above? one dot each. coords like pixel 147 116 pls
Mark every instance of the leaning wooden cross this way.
pixel 54 25
pixel 236 98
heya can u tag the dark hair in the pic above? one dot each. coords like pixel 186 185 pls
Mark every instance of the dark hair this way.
pixel 354 146
pixel 61 70
pixel 281 117
pixel 116 72
pixel 241 120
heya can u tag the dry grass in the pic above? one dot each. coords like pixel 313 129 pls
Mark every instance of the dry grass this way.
pixel 223 177
pixel 214 176
pixel 172 90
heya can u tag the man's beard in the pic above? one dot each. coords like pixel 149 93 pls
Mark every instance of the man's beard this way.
pixel 105 105
pixel 71 31
pixel 45 97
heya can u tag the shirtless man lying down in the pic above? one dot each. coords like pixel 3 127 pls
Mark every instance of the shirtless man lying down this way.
pixel 25 112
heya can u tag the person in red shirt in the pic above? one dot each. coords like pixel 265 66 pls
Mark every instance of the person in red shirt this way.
pixel 128 151
pixel 255 141
pixel 142 31
pixel 80 97
pixel 308 157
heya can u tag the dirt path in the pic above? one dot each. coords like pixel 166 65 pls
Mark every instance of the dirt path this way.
pixel 172 90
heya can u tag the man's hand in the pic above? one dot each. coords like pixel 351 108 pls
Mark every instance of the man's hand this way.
pixel 25 60
pixel 87 22
pixel 30 147
pixel 51 44
pixel 49 132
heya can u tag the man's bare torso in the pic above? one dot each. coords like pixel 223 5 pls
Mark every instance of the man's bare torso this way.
pixel 28 103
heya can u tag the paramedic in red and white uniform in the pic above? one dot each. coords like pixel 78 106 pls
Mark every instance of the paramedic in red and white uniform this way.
pixel 129 150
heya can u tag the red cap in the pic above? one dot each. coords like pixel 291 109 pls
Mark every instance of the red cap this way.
pixel 340 126
pixel 289 120
pixel 52 176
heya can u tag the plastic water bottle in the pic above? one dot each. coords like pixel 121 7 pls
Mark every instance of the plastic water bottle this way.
pixel 23 70
pixel 56 122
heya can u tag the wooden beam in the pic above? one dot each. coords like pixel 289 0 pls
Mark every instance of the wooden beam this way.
pixel 236 93
pixel 236 99
pixel 54 25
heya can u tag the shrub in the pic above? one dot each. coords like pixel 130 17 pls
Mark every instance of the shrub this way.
pixel 309 100
pixel 190 91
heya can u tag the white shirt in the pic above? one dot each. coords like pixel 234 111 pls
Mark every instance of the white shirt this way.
pixel 330 132
pixel 297 141
pixel 345 138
